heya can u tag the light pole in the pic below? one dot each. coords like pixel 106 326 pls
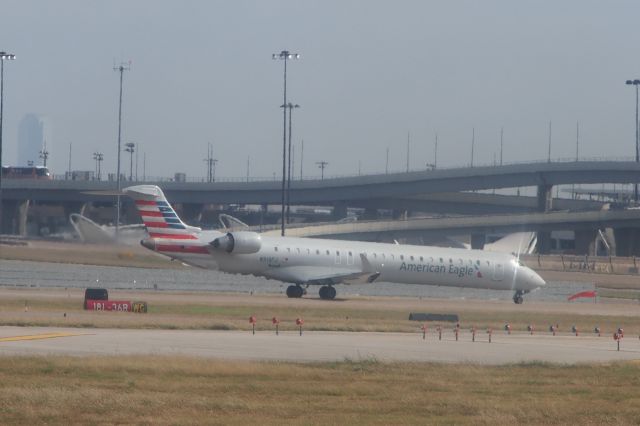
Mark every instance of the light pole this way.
pixel 211 164
pixel 435 153
pixel 501 143
pixel 99 157
pixel 285 55
pixel 130 147
pixel 473 143
pixel 636 83
pixel 386 164
pixel 549 150
pixel 9 57
pixel 290 107
pixel 321 166
pixel 44 154
pixel 121 69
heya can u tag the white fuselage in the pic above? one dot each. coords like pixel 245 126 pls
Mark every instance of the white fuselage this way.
pixel 279 256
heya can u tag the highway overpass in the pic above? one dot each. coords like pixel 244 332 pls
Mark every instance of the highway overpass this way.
pixel 585 224
pixel 430 191
pixel 356 189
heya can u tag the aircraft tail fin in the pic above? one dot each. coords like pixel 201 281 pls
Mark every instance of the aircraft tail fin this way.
pixel 158 216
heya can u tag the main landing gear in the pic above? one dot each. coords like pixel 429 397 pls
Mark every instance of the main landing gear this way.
pixel 295 291
pixel 327 292
pixel 517 298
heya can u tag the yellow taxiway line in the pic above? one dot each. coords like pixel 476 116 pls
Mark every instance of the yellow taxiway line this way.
pixel 38 336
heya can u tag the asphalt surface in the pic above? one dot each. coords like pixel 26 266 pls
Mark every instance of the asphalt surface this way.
pixel 318 346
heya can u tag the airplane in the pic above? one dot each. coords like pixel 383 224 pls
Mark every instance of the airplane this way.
pixel 303 262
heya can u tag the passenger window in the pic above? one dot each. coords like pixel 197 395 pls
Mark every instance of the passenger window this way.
pixel 402 257
pixel 441 260
pixel 288 250
pixel 337 253
pixel 421 259
pixel 328 253
pixel 450 260
pixel 317 251
pixel 275 249
pixel 298 250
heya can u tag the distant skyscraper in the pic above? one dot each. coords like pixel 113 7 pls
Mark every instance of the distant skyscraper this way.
pixel 34 131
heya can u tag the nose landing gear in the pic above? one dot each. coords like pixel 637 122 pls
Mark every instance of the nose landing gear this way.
pixel 517 297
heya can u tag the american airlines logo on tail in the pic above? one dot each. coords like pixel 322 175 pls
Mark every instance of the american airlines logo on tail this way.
pixel 158 216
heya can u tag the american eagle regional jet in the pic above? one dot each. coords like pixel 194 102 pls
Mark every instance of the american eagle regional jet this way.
pixel 312 261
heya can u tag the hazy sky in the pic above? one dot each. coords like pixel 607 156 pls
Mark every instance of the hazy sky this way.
pixel 370 71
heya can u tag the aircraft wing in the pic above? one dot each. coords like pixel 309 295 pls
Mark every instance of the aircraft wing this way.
pixel 319 275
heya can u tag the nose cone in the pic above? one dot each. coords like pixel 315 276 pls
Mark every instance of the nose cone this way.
pixel 533 279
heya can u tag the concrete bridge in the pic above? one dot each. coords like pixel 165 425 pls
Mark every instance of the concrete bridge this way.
pixel 428 191
pixel 357 190
pixel 586 224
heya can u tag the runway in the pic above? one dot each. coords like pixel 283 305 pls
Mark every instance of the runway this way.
pixel 317 346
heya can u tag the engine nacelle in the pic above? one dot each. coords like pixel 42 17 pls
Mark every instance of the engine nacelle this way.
pixel 238 242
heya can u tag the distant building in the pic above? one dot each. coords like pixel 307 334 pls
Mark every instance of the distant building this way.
pixel 34 133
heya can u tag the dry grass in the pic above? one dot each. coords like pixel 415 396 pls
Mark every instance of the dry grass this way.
pixel 87 254
pixel 167 390
pixel 213 311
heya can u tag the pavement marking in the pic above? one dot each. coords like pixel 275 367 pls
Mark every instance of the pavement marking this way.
pixel 39 336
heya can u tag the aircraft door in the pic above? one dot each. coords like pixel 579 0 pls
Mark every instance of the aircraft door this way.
pixel 498 271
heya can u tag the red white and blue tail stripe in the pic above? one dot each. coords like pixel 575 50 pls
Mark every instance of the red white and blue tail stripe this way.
pixel 158 216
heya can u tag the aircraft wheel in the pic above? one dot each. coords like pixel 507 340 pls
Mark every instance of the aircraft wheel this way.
pixel 323 292
pixel 331 293
pixel 294 291
pixel 517 298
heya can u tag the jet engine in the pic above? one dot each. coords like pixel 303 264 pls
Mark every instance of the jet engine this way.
pixel 242 242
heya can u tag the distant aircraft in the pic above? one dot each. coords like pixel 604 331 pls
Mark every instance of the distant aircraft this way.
pixel 311 261
pixel 91 232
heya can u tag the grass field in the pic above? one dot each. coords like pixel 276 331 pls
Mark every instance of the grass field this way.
pixel 159 390
pixel 214 311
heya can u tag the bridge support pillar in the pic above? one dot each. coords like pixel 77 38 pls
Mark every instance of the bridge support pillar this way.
pixel 400 214
pixel 627 241
pixel 22 209
pixel 477 241
pixel 586 242
pixel 543 242
pixel 14 217
pixel 339 210
pixel 545 204
pixel 191 213
pixel 545 198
